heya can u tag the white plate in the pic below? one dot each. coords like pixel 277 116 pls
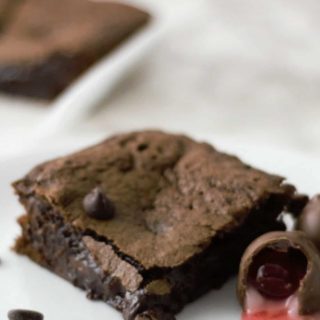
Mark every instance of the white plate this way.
pixel 98 82
pixel 84 95
pixel 25 285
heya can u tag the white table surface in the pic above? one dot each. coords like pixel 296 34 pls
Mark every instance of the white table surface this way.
pixel 242 70
pixel 246 72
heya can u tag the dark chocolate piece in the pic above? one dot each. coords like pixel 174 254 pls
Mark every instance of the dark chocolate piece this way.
pixel 297 258
pixel 45 46
pixel 309 221
pixel 19 314
pixel 171 187
pixel 98 206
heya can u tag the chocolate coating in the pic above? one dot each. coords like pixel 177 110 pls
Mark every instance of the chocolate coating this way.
pixel 19 314
pixel 98 206
pixel 309 221
pixel 308 293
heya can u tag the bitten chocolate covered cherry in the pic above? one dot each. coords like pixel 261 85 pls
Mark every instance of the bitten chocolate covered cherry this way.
pixel 280 270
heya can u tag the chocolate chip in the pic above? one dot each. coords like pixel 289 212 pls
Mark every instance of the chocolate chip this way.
pixel 143 146
pixel 292 259
pixel 309 221
pixel 98 206
pixel 19 314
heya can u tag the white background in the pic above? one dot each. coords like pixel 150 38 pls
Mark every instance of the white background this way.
pixel 246 70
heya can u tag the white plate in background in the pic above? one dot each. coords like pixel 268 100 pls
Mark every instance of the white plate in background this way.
pixel 98 81
pixel 23 284
pixel 82 96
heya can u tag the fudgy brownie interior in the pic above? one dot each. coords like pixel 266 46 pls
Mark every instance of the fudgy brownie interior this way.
pixel 184 213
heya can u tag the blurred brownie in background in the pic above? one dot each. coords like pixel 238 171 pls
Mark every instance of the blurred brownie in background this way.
pixel 7 7
pixel 46 44
pixel 3 5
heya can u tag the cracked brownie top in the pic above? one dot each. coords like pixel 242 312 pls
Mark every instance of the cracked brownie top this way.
pixel 172 195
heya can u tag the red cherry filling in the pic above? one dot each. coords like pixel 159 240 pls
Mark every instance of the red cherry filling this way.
pixel 274 281
pixel 277 274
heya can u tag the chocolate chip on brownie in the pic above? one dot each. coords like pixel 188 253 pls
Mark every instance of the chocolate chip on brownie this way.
pixel 98 206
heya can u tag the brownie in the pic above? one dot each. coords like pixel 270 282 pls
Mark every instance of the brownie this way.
pixel 3 5
pixel 3 8
pixel 179 216
pixel 47 44
pixel 7 7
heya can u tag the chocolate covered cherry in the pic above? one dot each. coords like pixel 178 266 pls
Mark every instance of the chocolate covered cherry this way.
pixel 309 221
pixel 279 265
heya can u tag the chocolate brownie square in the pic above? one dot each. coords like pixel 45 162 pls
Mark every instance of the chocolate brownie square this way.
pixel 47 44
pixel 147 221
